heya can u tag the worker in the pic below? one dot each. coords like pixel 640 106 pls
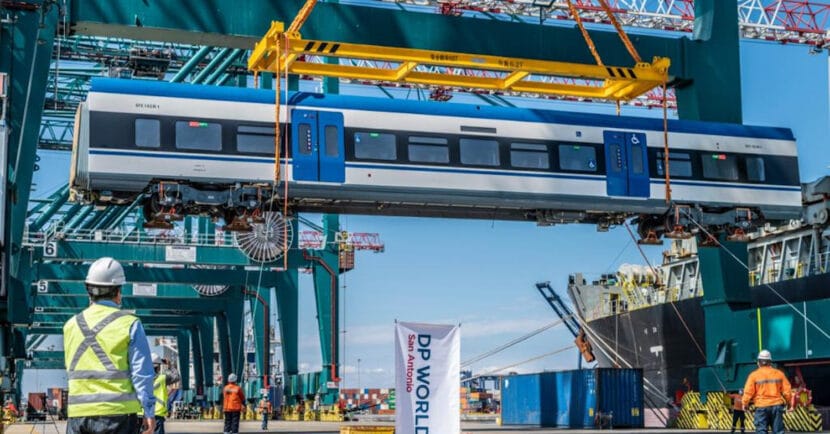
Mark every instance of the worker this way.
pixel 108 361
pixel 232 404
pixel 265 408
pixel 769 390
pixel 162 381
pixel 10 413
pixel 301 409
pixel 738 414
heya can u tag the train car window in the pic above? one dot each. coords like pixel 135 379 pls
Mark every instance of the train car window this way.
pixel 147 133
pixel 202 136
pixel 428 150
pixel 479 152
pixel 375 146
pixel 255 140
pixel 578 158
pixel 529 156
pixel 332 146
pixel 637 160
pixel 720 166
pixel 680 164
pixel 755 170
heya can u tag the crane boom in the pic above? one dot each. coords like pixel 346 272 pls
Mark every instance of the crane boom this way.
pixel 567 316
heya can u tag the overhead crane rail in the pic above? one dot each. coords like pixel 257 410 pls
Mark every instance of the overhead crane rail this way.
pixel 282 52
pixel 785 21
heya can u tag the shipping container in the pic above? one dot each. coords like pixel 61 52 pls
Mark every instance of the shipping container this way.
pixel 276 396
pixel 620 394
pixel 574 399
pixel 57 400
pixel 528 400
pixel 36 407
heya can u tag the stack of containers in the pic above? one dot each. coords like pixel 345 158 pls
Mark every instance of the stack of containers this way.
pixel 589 398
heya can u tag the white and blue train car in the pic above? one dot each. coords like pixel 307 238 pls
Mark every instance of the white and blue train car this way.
pixel 398 157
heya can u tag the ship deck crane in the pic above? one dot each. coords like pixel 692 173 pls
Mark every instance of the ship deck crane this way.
pixel 567 316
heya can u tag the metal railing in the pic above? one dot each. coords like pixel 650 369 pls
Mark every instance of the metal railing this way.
pixel 134 236
pixel 791 270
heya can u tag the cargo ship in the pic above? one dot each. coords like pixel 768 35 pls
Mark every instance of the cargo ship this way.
pixel 647 318
pixel 697 320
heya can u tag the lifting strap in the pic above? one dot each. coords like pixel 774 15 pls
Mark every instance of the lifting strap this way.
pixel 636 56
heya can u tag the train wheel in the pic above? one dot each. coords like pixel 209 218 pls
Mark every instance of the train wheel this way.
pixel 151 208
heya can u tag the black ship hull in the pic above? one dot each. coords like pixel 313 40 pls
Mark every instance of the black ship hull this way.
pixel 666 340
pixel 656 339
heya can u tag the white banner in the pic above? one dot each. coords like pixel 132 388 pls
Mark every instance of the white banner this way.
pixel 427 379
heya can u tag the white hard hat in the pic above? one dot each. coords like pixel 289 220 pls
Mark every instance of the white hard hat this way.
pixel 156 359
pixel 105 272
pixel 232 378
pixel 764 355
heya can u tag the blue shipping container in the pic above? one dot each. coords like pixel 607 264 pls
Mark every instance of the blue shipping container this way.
pixel 620 393
pixel 275 395
pixel 574 399
pixel 522 403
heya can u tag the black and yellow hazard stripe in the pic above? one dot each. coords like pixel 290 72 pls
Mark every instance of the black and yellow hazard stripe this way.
pixel 803 419
pixel 716 414
pixel 621 73
pixel 317 47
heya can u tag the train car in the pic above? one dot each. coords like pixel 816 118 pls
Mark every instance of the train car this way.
pixel 208 149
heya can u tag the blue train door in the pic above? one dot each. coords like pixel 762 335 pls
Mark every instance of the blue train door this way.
pixel 318 151
pixel 626 163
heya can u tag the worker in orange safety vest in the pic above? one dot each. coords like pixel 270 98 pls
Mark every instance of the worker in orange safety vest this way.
pixel 769 390
pixel 232 404
pixel 738 414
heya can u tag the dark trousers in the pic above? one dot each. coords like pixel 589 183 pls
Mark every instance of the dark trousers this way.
pixel 121 424
pixel 264 419
pixel 232 422
pixel 773 416
pixel 738 416
pixel 159 425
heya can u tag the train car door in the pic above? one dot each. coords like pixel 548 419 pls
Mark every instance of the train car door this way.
pixel 332 149
pixel 318 151
pixel 626 163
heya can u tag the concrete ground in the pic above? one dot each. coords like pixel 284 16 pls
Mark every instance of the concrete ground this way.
pixel 195 427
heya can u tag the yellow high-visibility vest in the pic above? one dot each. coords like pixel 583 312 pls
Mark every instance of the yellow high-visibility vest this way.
pixel 160 392
pixel 96 344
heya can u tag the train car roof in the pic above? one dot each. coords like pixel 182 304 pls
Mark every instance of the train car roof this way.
pixel 330 101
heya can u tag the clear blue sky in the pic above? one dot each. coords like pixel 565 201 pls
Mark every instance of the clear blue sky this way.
pixel 481 274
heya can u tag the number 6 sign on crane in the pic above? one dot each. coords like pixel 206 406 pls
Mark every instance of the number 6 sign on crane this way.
pixel 50 249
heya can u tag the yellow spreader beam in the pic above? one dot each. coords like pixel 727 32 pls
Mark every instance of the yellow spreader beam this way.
pixel 454 69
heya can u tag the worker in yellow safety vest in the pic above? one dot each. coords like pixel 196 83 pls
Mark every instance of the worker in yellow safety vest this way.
pixel 108 361
pixel 164 379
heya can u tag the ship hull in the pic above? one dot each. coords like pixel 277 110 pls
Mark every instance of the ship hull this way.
pixel 665 340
